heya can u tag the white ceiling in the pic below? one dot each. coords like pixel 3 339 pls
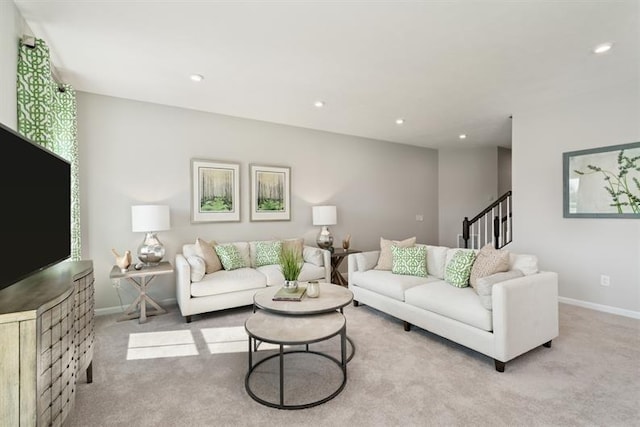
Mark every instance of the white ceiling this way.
pixel 446 67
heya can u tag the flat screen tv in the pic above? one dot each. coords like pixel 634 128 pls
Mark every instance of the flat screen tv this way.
pixel 35 187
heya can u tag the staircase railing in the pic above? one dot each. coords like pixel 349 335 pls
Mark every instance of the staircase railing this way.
pixel 493 224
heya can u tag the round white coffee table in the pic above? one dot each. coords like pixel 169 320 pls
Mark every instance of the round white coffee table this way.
pixel 303 322
pixel 332 297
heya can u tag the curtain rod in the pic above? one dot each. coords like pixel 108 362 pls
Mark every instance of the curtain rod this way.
pixel 30 42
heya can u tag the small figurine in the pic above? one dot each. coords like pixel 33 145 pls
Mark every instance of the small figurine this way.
pixel 346 242
pixel 123 261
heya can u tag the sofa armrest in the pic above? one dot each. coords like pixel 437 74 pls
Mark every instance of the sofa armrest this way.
pixel 525 313
pixel 326 256
pixel 183 281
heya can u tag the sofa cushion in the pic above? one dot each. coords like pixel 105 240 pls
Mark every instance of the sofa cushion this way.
pixel 458 269
pixel 197 266
pixel 275 278
pixel 386 283
pixel 436 260
pixel 268 252
pixel 484 286
pixel 488 261
pixel 230 257
pixel 409 261
pixel 206 251
pixel 366 260
pixel 226 281
pixel 385 261
pixel 461 304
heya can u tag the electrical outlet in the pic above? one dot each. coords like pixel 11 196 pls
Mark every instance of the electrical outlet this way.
pixel 116 283
pixel 419 217
pixel 605 280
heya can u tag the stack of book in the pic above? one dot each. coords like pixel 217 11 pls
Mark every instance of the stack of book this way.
pixel 285 295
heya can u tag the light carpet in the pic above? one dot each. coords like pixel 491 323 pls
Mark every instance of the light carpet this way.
pixel 170 373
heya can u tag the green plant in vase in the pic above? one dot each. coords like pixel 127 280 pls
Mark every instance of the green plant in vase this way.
pixel 291 266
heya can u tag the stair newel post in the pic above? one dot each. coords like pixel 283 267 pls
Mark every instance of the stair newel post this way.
pixel 465 231
pixel 496 232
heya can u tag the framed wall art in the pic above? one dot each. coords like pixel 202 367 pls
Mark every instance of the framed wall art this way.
pixel 602 182
pixel 215 191
pixel 270 193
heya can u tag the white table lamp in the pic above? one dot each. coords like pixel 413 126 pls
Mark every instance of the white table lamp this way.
pixel 150 219
pixel 325 216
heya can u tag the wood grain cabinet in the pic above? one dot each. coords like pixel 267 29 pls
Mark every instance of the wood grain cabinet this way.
pixel 46 341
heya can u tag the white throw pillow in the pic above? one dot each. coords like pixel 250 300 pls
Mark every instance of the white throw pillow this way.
pixel 313 256
pixel 198 267
pixel 528 264
pixel 484 285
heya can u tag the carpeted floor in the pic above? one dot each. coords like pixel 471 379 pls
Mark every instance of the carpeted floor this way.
pixel 590 376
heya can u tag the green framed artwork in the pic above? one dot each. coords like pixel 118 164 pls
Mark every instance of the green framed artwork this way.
pixel 602 182
pixel 270 193
pixel 215 191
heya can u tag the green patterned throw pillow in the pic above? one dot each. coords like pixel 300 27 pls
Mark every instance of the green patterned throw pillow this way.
pixel 268 252
pixel 230 257
pixel 409 261
pixel 459 268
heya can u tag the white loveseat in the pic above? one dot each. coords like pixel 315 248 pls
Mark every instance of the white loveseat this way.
pixel 235 288
pixel 523 314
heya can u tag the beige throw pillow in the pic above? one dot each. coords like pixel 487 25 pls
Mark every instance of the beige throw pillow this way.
pixel 208 254
pixel 385 261
pixel 488 261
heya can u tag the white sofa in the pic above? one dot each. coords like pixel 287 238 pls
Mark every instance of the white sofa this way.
pixel 524 311
pixel 235 288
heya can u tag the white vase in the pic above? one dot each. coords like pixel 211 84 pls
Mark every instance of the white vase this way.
pixel 313 290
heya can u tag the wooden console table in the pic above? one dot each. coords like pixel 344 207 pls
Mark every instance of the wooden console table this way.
pixel 46 331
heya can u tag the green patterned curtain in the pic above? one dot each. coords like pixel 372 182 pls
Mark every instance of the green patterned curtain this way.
pixel 47 116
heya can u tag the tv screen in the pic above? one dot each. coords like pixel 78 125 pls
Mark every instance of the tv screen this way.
pixel 35 186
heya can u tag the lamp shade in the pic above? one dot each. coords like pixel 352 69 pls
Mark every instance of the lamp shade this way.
pixel 324 215
pixel 145 218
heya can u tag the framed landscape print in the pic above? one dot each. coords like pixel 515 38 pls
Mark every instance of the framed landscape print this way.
pixel 602 182
pixel 270 193
pixel 215 191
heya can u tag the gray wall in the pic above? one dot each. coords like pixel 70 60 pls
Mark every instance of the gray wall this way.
pixel 10 33
pixel 580 250
pixel 468 183
pixel 133 152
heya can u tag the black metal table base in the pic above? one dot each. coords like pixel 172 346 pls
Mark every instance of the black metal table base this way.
pixel 342 364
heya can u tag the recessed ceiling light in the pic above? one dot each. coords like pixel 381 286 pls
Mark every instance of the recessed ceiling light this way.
pixel 400 121
pixel 462 136
pixel 602 48
pixel 196 77
pixel 319 104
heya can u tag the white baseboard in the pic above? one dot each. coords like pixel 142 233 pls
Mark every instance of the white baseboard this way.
pixel 601 307
pixel 118 309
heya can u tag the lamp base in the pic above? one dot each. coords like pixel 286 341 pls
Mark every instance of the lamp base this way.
pixel 325 239
pixel 151 250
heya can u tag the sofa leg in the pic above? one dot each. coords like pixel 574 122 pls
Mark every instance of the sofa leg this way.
pixel 407 326
pixel 547 344
pixel 187 319
pixel 356 303
pixel 499 365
